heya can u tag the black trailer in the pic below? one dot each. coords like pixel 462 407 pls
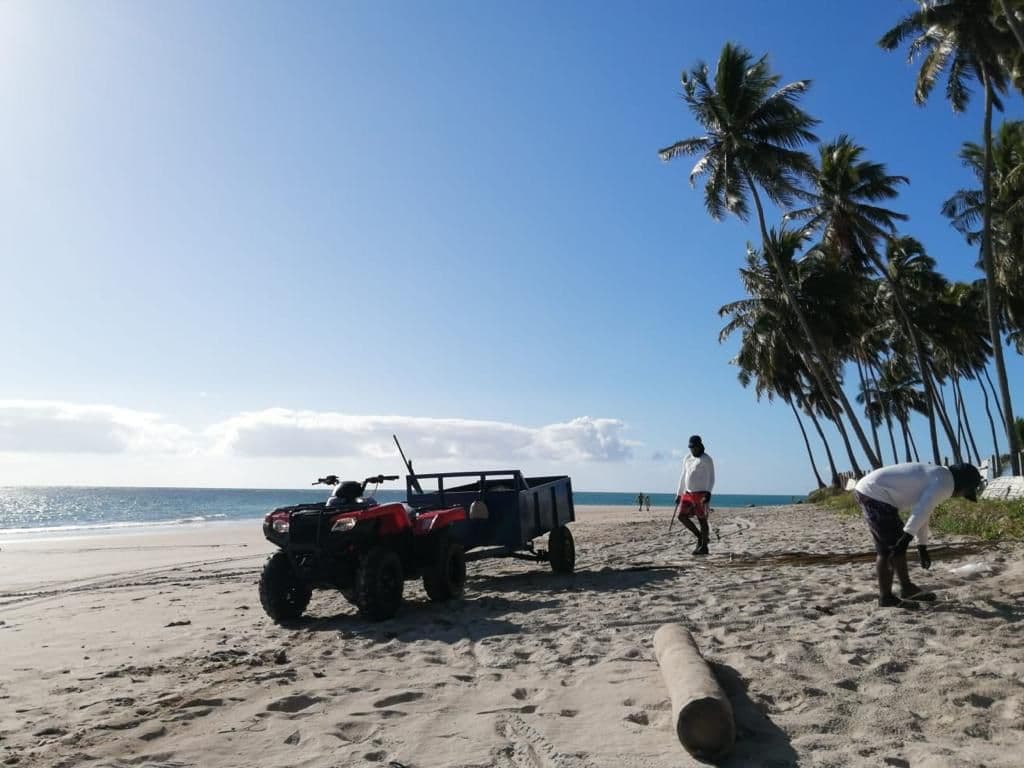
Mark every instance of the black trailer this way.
pixel 505 512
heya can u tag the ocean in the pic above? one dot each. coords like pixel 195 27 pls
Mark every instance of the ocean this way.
pixel 73 511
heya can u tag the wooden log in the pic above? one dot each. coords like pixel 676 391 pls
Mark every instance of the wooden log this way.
pixel 700 709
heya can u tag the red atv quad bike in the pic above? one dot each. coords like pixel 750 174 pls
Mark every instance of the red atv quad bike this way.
pixel 362 548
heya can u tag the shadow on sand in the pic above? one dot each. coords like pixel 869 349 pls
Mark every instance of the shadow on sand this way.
pixel 481 613
pixel 759 741
pixel 1011 613
pixel 600 580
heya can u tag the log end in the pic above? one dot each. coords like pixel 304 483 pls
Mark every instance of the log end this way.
pixel 705 729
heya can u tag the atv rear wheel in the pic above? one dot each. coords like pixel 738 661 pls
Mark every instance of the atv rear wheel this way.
pixel 283 594
pixel 444 577
pixel 379 584
pixel 561 550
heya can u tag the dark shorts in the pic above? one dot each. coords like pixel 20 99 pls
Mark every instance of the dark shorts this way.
pixel 883 520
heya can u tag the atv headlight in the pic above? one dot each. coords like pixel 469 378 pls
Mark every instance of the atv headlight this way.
pixel 343 524
pixel 281 525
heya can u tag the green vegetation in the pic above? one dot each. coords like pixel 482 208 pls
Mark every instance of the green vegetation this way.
pixel 987 520
pixel 836 286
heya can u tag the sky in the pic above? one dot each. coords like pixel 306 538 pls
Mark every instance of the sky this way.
pixel 243 243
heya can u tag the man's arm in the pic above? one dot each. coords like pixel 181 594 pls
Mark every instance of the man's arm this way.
pixel 917 523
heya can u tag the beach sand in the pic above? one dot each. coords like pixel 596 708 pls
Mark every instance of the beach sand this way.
pixel 152 650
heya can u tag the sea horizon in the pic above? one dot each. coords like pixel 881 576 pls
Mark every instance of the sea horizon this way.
pixel 74 510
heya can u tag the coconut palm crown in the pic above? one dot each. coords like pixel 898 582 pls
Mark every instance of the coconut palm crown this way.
pixel 752 132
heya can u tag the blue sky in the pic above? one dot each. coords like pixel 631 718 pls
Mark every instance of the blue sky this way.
pixel 244 242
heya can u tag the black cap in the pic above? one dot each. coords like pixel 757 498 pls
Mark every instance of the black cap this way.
pixel 966 480
pixel 695 440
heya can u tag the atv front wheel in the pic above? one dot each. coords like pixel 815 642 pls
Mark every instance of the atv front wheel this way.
pixel 283 594
pixel 379 584
pixel 561 550
pixel 445 577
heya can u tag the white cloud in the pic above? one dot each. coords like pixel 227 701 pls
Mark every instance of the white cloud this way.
pixel 286 433
pixel 39 426
pixel 47 426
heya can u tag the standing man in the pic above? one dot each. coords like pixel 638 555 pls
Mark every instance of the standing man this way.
pixel 694 495
pixel 919 488
pixel 639 502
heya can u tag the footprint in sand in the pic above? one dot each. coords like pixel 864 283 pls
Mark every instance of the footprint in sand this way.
pixel 975 700
pixel 398 698
pixel 292 704
pixel 354 732
pixel 889 667
pixel 640 718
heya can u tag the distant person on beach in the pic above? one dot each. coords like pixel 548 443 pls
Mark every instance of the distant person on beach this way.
pixel 694 495
pixel 640 502
pixel 647 502
pixel 918 488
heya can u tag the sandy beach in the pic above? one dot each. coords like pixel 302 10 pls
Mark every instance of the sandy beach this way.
pixel 152 650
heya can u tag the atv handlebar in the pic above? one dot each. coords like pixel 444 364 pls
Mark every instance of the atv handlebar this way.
pixel 378 479
pixel 375 479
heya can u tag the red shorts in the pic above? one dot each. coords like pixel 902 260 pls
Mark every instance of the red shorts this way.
pixel 692 505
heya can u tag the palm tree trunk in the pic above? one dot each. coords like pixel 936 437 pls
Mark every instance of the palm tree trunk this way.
pixel 998 469
pixel 991 294
pixel 870 400
pixel 883 403
pixel 1014 22
pixel 917 456
pixel 940 408
pixel 961 438
pixel 995 394
pixel 807 443
pixel 915 342
pixel 906 440
pixel 828 451
pixel 818 369
pixel 967 426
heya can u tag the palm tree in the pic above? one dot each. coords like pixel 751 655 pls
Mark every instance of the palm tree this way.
pixel 844 195
pixel 965 211
pixel 962 344
pixel 846 190
pixel 770 347
pixel 753 131
pixel 1013 21
pixel 963 36
pixel 898 386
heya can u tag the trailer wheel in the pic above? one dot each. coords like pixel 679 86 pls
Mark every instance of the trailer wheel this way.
pixel 379 584
pixel 561 550
pixel 445 577
pixel 283 594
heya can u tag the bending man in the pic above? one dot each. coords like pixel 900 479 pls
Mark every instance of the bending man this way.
pixel 919 488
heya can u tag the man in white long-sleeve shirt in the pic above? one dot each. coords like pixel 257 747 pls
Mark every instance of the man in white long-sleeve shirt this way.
pixel 694 495
pixel 918 488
